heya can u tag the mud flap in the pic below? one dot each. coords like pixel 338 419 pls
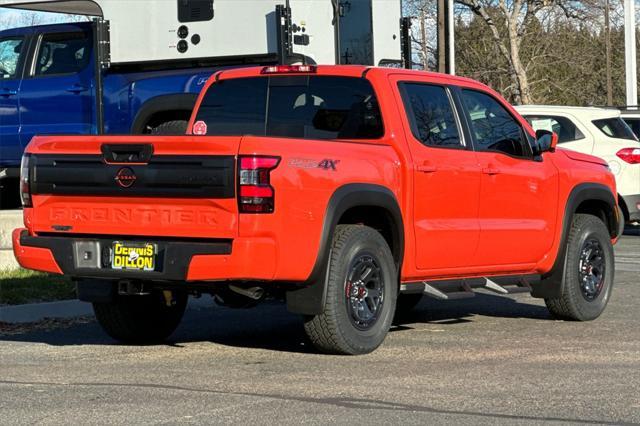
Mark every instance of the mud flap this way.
pixel 309 300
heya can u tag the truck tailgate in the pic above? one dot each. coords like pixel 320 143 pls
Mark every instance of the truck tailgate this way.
pixel 134 185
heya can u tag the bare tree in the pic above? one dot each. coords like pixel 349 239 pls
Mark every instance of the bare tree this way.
pixel 508 21
pixel 423 37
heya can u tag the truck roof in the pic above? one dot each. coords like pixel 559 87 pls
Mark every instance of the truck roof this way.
pixel 355 71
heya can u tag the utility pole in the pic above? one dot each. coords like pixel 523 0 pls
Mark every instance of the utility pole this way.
pixel 446 41
pixel 442 36
pixel 451 39
pixel 630 52
pixel 607 47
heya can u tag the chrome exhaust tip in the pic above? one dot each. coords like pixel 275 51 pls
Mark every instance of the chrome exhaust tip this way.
pixel 255 293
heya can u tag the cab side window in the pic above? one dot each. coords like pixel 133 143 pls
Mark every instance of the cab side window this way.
pixel 562 126
pixel 495 130
pixel 10 49
pixel 431 115
pixel 67 53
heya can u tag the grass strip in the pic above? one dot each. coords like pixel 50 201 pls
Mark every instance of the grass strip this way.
pixel 21 286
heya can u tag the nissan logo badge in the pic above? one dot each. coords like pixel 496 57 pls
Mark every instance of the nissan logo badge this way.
pixel 125 177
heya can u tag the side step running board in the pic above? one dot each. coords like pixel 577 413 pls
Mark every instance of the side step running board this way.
pixel 521 287
pixel 464 289
pixel 466 292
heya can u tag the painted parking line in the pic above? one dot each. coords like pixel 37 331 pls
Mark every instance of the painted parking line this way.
pixel 628 259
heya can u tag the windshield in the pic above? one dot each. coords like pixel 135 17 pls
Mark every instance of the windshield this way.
pixel 615 127
pixel 301 106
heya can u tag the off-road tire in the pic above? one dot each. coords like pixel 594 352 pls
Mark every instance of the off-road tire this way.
pixel 333 331
pixel 141 319
pixel 572 304
pixel 171 128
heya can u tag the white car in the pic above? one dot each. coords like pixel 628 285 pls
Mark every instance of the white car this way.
pixel 600 132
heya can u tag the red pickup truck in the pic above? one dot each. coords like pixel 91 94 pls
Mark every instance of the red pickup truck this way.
pixel 348 191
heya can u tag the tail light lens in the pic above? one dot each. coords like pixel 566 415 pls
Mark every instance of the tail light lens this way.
pixel 630 155
pixel 25 184
pixel 289 69
pixel 256 193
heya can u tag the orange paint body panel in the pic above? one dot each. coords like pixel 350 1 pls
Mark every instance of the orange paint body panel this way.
pixel 458 219
pixel 136 216
pixel 303 193
pixel 252 259
pixel 36 258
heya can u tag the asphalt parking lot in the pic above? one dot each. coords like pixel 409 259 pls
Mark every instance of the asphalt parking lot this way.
pixel 485 360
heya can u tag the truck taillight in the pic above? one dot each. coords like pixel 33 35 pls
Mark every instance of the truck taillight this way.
pixel 25 184
pixel 256 195
pixel 289 69
pixel 630 155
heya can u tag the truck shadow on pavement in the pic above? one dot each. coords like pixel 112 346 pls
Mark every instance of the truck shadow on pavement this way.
pixel 271 327
pixel 431 311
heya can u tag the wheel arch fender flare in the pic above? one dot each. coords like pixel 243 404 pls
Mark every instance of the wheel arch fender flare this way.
pixel 162 103
pixel 550 285
pixel 309 300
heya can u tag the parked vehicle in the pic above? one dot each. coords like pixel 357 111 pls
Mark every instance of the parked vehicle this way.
pixel 600 132
pixel 343 189
pixel 118 75
pixel 48 87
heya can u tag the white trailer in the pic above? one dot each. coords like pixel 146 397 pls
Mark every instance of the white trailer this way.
pixel 229 31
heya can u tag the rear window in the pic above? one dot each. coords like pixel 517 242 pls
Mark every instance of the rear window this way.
pixel 615 128
pixel 634 123
pixel 562 126
pixel 65 53
pixel 309 107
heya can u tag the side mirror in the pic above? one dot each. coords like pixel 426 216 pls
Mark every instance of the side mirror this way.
pixel 546 141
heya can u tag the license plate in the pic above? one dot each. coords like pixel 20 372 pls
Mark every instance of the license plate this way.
pixel 133 256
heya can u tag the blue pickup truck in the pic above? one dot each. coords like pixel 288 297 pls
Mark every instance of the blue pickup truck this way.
pixel 48 86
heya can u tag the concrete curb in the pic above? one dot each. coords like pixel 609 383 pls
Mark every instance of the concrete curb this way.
pixel 35 312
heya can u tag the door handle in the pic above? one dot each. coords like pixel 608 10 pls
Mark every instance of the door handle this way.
pixel 490 171
pixel 76 88
pixel 426 168
pixel 5 93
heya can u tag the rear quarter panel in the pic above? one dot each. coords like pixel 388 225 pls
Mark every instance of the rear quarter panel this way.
pixel 627 175
pixel 126 93
pixel 303 189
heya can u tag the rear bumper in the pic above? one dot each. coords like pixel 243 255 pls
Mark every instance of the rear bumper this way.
pixel 215 260
pixel 633 206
